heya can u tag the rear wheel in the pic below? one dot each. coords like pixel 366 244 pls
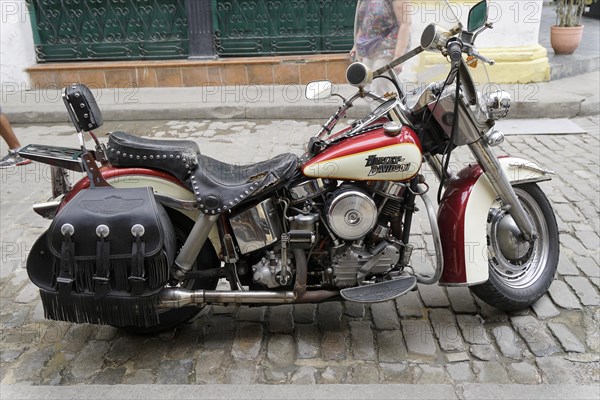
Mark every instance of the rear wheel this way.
pixel 520 271
pixel 170 319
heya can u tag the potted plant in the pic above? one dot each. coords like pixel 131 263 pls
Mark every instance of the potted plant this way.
pixel 565 36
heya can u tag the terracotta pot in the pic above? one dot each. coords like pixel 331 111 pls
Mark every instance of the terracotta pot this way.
pixel 565 39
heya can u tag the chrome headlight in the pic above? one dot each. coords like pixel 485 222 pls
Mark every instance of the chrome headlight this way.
pixel 498 104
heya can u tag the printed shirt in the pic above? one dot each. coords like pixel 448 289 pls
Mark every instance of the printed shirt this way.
pixel 377 29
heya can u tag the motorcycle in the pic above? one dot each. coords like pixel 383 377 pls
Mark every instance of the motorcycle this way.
pixel 142 240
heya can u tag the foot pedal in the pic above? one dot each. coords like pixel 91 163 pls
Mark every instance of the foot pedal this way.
pixel 382 291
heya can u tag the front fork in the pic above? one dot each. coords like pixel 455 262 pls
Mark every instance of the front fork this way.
pixel 493 170
pixel 489 163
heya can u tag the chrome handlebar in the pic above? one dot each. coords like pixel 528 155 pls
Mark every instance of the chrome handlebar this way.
pixel 473 52
pixel 433 38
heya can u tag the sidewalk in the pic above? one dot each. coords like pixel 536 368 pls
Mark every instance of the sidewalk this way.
pixel 466 391
pixel 572 91
pixel 562 98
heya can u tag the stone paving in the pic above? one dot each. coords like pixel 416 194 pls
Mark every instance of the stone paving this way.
pixel 433 335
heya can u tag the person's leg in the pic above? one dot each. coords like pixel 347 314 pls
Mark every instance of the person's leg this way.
pixel 12 158
pixel 8 134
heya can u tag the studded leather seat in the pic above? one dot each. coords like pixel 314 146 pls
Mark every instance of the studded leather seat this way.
pixel 217 186
pixel 177 157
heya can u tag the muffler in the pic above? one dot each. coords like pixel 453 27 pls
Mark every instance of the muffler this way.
pixel 178 297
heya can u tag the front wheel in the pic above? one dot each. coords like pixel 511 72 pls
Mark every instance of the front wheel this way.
pixel 520 272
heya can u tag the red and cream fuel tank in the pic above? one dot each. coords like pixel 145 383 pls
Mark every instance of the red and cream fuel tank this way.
pixel 379 155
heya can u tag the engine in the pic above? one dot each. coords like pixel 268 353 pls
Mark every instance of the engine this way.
pixel 369 220
pixel 365 221
pixel 351 233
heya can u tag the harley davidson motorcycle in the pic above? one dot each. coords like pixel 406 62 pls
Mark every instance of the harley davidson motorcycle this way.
pixel 142 240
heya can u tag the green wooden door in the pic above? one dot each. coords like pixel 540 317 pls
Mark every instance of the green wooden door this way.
pixel 277 27
pixel 66 30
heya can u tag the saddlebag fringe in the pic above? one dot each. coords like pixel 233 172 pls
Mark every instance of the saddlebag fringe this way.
pixel 116 311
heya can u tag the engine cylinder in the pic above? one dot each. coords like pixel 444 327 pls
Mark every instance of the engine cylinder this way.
pixel 351 213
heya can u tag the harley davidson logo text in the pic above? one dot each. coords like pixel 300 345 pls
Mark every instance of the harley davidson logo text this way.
pixel 385 165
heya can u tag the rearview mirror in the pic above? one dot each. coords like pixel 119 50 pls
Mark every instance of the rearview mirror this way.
pixel 318 90
pixel 477 16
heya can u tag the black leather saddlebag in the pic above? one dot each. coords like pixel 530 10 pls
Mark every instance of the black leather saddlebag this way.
pixel 105 257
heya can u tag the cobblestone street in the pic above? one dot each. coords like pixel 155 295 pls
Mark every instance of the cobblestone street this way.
pixel 431 336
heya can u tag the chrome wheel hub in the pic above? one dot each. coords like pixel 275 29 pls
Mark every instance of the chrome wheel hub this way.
pixel 517 262
pixel 508 237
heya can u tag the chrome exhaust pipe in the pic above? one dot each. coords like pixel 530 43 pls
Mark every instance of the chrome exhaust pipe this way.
pixel 47 209
pixel 177 297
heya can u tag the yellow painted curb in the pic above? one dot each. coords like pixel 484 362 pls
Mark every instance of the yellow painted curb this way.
pixel 513 65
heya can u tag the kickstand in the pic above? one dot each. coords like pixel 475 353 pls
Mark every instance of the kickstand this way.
pixel 231 258
pixel 233 278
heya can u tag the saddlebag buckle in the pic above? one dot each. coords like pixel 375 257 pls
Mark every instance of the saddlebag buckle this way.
pixel 65 285
pixel 137 284
pixel 101 286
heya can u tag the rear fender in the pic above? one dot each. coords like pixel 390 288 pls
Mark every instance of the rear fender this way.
pixel 162 184
pixel 463 214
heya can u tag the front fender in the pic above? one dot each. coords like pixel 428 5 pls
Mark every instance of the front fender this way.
pixel 463 214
